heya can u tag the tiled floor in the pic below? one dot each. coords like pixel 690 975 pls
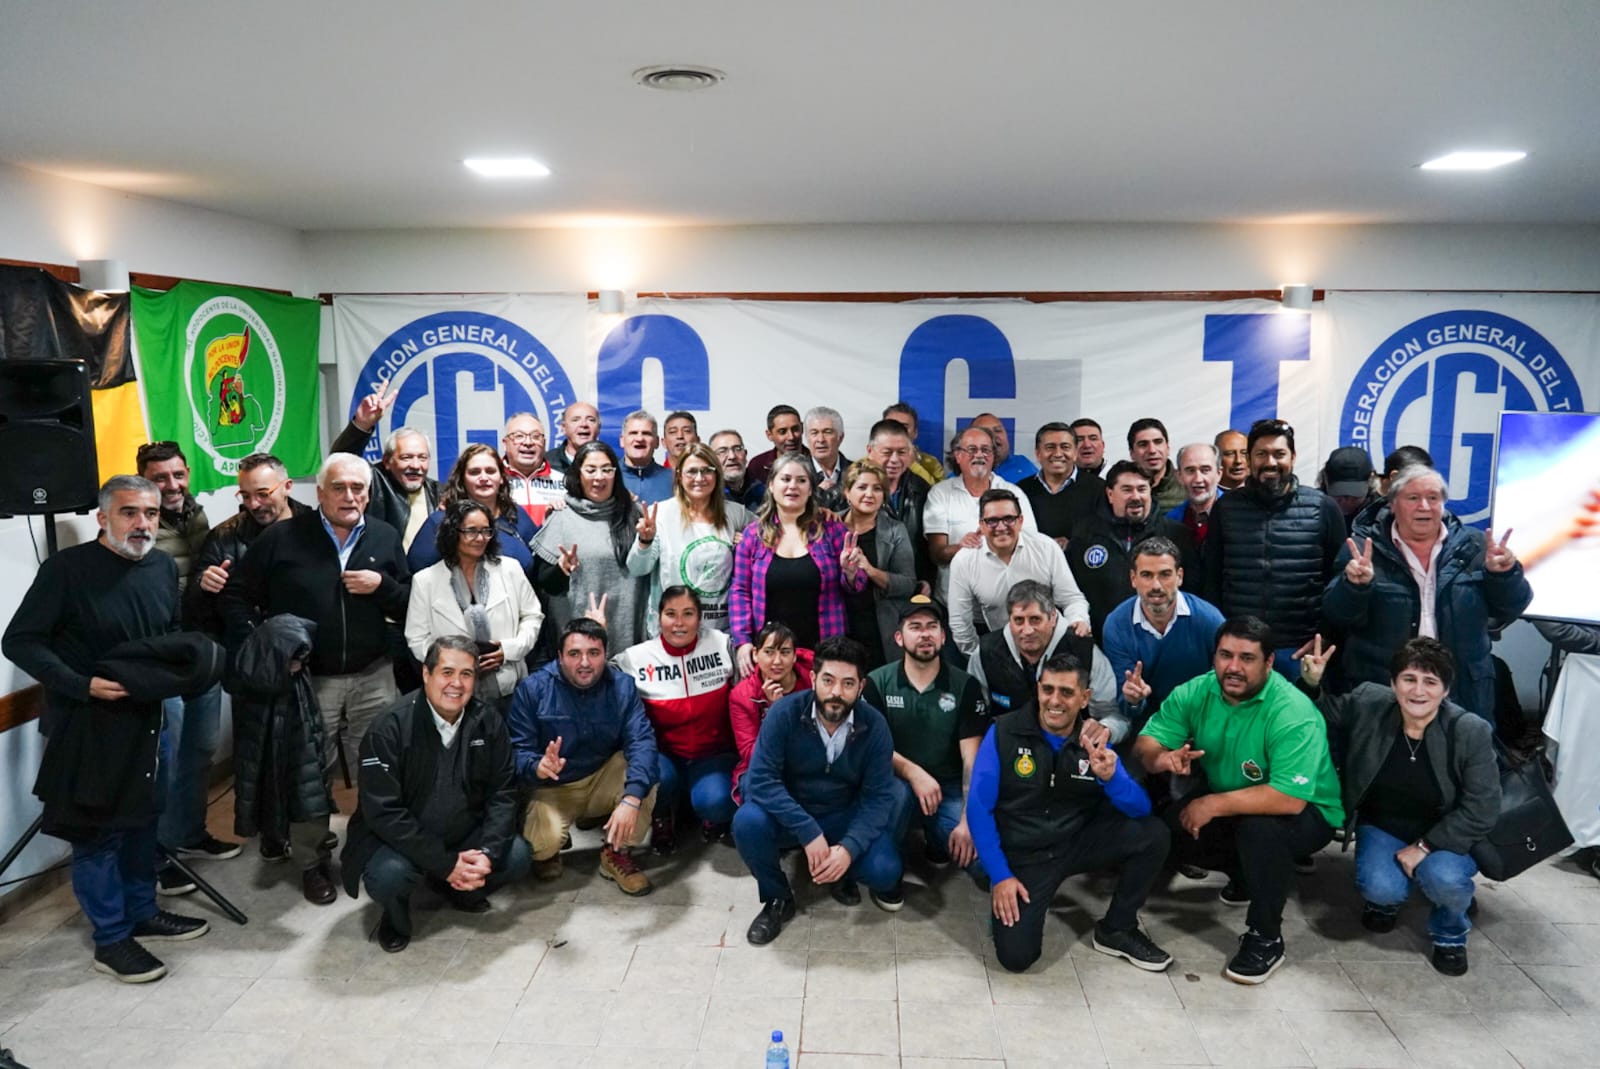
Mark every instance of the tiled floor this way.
pixel 575 974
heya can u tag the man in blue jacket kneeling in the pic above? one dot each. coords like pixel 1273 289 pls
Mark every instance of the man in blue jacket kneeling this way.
pixel 822 777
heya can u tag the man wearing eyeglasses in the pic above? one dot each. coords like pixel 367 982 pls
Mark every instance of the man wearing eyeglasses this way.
pixel 534 485
pixel 982 578
pixel 950 518
pixel 734 460
pixel 192 724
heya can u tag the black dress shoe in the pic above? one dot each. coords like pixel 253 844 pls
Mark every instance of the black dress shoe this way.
pixel 1452 961
pixel 845 892
pixel 317 886
pixel 770 921
pixel 390 938
pixel 468 903
pixel 1376 919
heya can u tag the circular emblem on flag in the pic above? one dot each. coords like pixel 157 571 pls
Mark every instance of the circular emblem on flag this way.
pixel 947 703
pixel 1441 382
pixel 1095 556
pixel 233 379
pixel 706 567
pixel 1024 765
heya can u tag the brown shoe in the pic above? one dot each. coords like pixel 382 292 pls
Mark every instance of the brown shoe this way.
pixel 623 871
pixel 317 886
pixel 548 869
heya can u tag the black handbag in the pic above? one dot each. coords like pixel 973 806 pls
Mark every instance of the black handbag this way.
pixel 1529 828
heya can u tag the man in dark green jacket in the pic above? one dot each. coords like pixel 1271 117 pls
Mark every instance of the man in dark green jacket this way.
pixel 438 798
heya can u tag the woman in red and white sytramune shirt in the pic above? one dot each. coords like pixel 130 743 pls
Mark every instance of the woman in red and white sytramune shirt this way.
pixel 684 676
pixel 780 669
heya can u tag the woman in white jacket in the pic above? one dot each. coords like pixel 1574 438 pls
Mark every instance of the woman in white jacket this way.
pixel 472 592
pixel 687 540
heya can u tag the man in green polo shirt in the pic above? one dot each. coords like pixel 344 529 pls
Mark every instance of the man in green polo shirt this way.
pixel 1271 793
pixel 937 716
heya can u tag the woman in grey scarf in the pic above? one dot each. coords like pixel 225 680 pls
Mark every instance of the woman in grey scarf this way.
pixel 473 592
pixel 581 552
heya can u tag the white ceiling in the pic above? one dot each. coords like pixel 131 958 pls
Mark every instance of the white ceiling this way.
pixel 356 113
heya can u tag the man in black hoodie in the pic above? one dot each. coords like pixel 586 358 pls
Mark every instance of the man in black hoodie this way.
pixel 345 572
pixel 1100 548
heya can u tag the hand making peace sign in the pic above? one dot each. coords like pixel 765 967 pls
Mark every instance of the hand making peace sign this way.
pixel 374 405
pixel 1358 572
pixel 1134 689
pixel 1313 660
pixel 646 527
pixel 1496 557
pixel 569 558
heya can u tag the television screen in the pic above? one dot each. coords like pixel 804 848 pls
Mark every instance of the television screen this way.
pixel 1547 493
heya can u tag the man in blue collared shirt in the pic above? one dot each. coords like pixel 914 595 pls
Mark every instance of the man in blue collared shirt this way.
pixel 345 572
pixel 645 479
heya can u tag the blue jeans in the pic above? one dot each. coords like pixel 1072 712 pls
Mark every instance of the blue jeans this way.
pixel 761 840
pixel 937 826
pixel 1445 879
pixel 709 781
pixel 390 878
pixel 192 729
pixel 114 879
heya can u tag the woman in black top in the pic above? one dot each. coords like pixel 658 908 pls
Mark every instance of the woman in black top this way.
pixel 1422 785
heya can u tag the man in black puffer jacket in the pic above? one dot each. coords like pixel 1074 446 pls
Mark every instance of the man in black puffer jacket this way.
pixel 1272 545
pixel 1100 547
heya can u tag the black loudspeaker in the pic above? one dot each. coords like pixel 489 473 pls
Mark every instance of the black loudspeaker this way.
pixel 46 438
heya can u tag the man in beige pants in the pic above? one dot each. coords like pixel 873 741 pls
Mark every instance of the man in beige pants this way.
pixel 581 739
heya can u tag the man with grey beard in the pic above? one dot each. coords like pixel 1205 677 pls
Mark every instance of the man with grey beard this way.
pixel 100 754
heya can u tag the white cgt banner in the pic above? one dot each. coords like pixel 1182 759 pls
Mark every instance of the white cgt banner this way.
pixel 1374 370
pixel 1437 369
pixel 462 364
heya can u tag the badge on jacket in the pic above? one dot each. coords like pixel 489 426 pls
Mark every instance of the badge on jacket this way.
pixel 1024 764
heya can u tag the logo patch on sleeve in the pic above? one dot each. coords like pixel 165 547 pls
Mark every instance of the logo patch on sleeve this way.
pixel 1251 770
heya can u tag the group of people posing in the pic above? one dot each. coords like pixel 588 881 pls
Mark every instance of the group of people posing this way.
pixel 1027 671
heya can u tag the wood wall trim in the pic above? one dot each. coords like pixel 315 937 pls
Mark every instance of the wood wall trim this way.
pixel 21 707
pixel 144 279
pixel 1035 296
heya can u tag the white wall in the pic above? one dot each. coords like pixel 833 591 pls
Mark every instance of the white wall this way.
pixel 966 258
pixel 53 220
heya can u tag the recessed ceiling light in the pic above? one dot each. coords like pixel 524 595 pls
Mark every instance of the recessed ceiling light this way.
pixel 1473 161
pixel 507 167
pixel 678 77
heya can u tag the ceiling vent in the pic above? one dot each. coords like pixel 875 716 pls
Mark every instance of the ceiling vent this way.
pixel 678 77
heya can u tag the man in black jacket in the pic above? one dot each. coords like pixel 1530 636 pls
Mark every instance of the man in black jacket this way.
pixel 438 798
pixel 97 776
pixel 402 493
pixel 347 574
pixel 1271 546
pixel 1100 550
pixel 891 446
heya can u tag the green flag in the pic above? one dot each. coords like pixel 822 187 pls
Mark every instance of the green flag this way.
pixel 227 372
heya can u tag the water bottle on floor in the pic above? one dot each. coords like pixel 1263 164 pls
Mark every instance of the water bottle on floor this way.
pixel 777 1053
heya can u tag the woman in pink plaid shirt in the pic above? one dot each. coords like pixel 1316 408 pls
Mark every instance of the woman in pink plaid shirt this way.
pixel 792 566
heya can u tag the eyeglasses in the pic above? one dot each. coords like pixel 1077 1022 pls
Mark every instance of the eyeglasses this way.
pixel 699 473
pixel 476 532
pixel 976 450
pixel 607 470
pixel 994 523
pixel 726 450
pixel 258 495
pixel 525 436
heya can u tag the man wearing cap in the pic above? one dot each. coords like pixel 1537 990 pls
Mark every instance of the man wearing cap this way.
pixel 1347 477
pixel 936 714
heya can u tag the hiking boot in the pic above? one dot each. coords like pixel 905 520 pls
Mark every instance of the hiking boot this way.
pixel 1378 919
pixel 212 847
pixel 845 892
pixel 662 840
pixel 1140 950
pixel 549 869
pixel 1257 958
pixel 622 870
pixel 890 901
pixel 1234 894
pixel 129 962
pixel 170 880
pixel 1452 961
pixel 770 921
pixel 167 927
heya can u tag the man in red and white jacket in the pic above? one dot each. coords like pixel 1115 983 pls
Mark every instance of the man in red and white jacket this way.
pixel 534 485
pixel 684 675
